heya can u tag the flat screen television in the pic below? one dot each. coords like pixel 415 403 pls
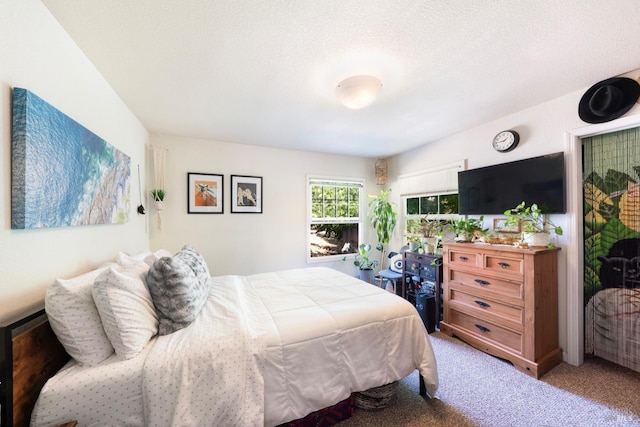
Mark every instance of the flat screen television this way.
pixel 493 189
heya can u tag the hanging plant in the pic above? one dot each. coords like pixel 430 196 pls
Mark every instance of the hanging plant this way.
pixel 158 198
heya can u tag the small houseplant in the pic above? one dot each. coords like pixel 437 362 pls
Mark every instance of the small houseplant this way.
pixel 465 229
pixel 433 231
pixel 365 263
pixel 535 225
pixel 158 198
pixel 414 235
pixel 383 218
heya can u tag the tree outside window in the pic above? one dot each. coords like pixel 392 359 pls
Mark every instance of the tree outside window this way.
pixel 335 223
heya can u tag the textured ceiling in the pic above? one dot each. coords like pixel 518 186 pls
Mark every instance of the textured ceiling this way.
pixel 264 72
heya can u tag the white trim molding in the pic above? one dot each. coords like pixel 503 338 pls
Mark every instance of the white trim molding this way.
pixel 574 353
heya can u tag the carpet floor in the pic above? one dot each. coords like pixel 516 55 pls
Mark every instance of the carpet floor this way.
pixel 476 389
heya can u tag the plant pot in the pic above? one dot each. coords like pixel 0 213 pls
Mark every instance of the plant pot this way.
pixel 367 275
pixel 430 245
pixel 536 239
pixel 158 204
pixel 463 237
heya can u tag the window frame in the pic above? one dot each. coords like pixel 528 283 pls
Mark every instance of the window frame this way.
pixel 352 182
pixel 406 217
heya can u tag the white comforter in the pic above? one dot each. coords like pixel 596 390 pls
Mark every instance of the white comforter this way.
pixel 267 349
pixel 329 334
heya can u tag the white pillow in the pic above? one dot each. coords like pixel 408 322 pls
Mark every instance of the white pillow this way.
pixel 151 258
pixel 125 307
pixel 125 259
pixel 147 256
pixel 74 318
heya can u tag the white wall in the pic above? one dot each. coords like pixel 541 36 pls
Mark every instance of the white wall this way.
pixel 247 243
pixel 545 128
pixel 36 54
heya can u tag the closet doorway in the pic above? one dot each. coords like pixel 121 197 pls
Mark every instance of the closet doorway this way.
pixel 611 200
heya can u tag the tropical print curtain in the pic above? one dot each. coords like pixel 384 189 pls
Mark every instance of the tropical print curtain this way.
pixel 611 166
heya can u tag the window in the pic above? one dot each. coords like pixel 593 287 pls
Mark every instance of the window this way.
pixel 432 193
pixel 334 217
pixel 434 206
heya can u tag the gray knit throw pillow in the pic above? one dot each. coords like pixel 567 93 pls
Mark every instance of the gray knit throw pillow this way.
pixel 179 287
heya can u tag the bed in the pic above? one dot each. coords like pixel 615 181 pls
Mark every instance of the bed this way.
pixel 264 349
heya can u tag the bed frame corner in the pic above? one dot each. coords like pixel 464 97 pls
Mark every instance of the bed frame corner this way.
pixel 30 354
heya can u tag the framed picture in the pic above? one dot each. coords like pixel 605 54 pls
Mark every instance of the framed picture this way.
pixel 501 225
pixel 246 194
pixel 205 193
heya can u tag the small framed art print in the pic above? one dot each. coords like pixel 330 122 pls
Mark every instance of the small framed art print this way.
pixel 205 193
pixel 501 225
pixel 246 194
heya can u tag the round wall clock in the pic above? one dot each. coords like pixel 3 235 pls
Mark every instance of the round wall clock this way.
pixel 506 140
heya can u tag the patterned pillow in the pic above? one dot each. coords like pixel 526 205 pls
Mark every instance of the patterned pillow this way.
pixel 74 318
pixel 126 308
pixel 179 287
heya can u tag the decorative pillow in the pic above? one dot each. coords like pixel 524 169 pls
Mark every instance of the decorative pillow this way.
pixel 179 287
pixel 126 309
pixel 74 318
pixel 197 263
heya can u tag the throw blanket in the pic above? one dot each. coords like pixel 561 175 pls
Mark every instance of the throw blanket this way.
pixel 210 373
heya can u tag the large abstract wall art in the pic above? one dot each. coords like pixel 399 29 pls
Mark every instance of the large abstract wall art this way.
pixel 62 173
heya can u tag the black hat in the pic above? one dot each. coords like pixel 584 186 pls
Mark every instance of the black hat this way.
pixel 608 100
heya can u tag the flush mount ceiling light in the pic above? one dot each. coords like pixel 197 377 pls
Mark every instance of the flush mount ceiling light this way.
pixel 358 91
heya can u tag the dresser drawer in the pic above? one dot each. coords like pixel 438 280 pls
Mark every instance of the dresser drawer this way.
pixel 504 264
pixel 489 285
pixel 463 258
pixel 487 330
pixel 469 303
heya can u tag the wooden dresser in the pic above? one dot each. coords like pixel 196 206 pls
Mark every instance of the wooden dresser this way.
pixel 504 301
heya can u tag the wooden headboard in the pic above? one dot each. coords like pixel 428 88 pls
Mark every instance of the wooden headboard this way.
pixel 30 354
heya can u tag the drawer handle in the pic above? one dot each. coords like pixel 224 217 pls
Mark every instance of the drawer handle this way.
pixel 482 304
pixel 464 259
pixel 482 282
pixel 504 264
pixel 482 328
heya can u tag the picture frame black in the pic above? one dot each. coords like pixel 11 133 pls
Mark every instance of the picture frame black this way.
pixel 205 193
pixel 246 194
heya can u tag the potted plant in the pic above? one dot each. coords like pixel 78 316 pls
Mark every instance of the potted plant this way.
pixel 383 218
pixel 414 242
pixel 534 224
pixel 158 198
pixel 432 230
pixel 366 264
pixel 464 230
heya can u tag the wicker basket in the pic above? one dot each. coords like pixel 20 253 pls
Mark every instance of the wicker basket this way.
pixel 377 397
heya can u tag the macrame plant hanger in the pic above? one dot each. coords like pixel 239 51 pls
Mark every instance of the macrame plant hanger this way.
pixel 158 192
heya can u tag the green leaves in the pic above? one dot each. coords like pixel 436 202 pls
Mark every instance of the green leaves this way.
pixel 531 219
pixel 362 260
pixel 382 216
